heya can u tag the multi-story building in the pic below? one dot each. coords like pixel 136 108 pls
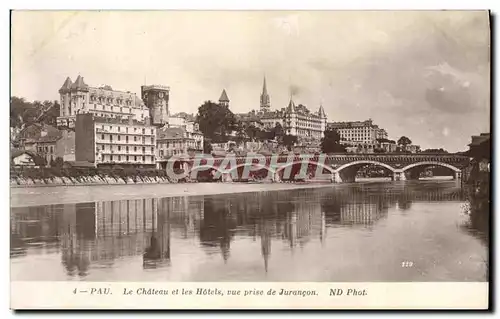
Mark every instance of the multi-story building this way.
pixel 110 141
pixel 295 120
pixel 40 139
pixel 301 122
pixel 79 98
pixel 188 123
pixel 358 132
pixel 176 141
pixel 269 119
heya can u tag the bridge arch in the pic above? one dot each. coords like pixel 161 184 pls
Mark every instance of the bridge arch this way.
pixel 363 162
pixel 431 163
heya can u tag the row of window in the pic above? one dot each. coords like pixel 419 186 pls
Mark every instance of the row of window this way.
pixel 110 100
pixel 170 152
pixel 126 148
pixel 179 144
pixel 126 139
pixel 126 158
pixel 120 129
pixel 45 149
pixel 356 134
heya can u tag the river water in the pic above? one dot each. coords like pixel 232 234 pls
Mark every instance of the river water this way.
pixel 383 231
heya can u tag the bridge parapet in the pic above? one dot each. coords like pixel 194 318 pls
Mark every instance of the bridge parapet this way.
pixel 340 166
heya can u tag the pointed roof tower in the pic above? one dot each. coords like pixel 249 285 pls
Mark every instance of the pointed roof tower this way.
pixel 66 86
pixel 291 105
pixel 224 100
pixel 265 101
pixel 321 111
pixel 79 84
pixel 223 96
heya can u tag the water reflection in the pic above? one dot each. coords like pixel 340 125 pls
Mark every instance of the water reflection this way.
pixel 92 236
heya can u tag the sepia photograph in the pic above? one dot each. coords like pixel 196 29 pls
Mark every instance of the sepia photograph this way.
pixel 192 149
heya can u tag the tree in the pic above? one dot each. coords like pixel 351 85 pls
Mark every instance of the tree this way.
pixel 216 121
pixel 289 141
pixel 403 140
pixel 264 135
pixel 331 142
pixel 39 160
pixel 278 132
pixel 58 162
pixel 240 133
pixel 24 113
pixel 435 151
pixel 252 132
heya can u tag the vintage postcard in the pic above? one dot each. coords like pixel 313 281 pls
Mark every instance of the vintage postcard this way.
pixel 250 159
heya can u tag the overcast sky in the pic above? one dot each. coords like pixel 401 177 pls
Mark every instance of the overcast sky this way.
pixel 422 74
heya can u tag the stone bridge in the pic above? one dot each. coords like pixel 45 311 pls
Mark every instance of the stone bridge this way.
pixel 334 167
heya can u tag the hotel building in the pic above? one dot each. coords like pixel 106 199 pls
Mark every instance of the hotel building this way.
pixel 296 120
pixel 364 132
pixel 110 141
pixel 79 98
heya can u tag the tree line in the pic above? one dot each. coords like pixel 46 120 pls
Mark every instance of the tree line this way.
pixel 24 113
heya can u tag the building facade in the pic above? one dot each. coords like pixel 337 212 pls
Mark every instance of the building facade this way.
pixel 79 98
pixel 111 141
pixel 188 124
pixel 176 141
pixel 40 139
pixel 296 120
pixel 301 122
pixel 156 98
pixel 358 132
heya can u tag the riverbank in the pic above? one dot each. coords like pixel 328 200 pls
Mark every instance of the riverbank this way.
pixel 85 181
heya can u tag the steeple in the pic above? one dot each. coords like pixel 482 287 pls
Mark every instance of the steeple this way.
pixel 291 106
pixel 224 100
pixel 265 101
pixel 321 111
pixel 66 86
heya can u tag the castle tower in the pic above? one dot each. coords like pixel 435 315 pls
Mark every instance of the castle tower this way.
pixel 65 97
pixel 79 100
pixel 265 101
pixel 156 99
pixel 224 100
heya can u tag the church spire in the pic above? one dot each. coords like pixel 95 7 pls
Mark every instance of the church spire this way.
pixel 265 101
pixel 224 100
